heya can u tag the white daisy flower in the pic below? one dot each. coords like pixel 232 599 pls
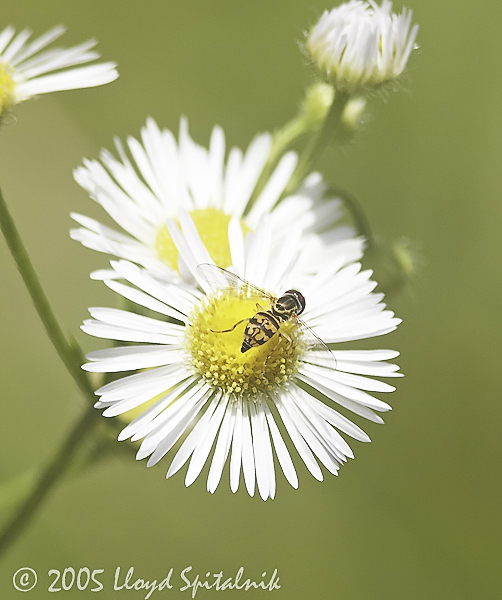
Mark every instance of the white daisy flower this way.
pixel 165 175
pixel 212 391
pixel 359 46
pixel 25 71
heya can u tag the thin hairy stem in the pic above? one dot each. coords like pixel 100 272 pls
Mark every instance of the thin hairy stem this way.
pixel 55 470
pixel 357 214
pixel 67 352
pixel 318 144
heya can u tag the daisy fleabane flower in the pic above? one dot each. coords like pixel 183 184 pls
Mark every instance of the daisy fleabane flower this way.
pixel 27 70
pixel 164 175
pixel 210 392
pixel 359 46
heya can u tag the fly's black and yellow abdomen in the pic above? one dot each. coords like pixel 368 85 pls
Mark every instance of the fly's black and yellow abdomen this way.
pixel 279 320
pixel 259 330
pixel 264 325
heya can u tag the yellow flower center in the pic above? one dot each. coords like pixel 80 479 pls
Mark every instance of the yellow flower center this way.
pixel 216 353
pixel 6 88
pixel 212 225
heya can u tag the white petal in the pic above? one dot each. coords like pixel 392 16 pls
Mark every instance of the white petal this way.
pixel 205 443
pixel 345 390
pixel 196 436
pixel 281 449
pixel 353 405
pixel 128 358
pixel 180 407
pixel 274 187
pixel 125 334
pixel 82 77
pixel 248 457
pixel 311 436
pixel 335 418
pixel 265 474
pixel 258 253
pixel 5 37
pixel 221 451
pixel 297 439
pixel 16 44
pixel 236 455
pixel 161 441
pixel 216 166
pixel 142 424
pixel 177 295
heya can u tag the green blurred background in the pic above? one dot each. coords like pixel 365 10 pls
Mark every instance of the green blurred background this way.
pixel 417 514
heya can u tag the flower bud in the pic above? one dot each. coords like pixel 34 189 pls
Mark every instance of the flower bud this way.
pixel 360 46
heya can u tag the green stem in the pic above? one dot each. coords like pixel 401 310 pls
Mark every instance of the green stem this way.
pixel 356 211
pixel 284 138
pixel 34 493
pixel 55 470
pixel 281 141
pixel 70 354
pixel 22 489
pixel 66 352
pixel 383 259
pixel 318 144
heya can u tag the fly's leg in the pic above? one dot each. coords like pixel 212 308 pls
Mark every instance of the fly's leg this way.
pixel 280 335
pixel 289 340
pixel 229 330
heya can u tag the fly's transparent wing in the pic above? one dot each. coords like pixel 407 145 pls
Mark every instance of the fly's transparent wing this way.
pixel 318 351
pixel 222 280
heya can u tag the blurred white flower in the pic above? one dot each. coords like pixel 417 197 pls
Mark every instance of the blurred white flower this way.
pixel 25 71
pixel 208 392
pixel 359 46
pixel 166 175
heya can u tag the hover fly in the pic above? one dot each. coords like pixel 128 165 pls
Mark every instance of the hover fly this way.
pixel 265 324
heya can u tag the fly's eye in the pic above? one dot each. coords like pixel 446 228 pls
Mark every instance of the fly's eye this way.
pixel 300 300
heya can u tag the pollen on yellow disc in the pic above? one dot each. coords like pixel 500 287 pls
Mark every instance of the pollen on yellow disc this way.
pixel 6 89
pixel 212 225
pixel 218 358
